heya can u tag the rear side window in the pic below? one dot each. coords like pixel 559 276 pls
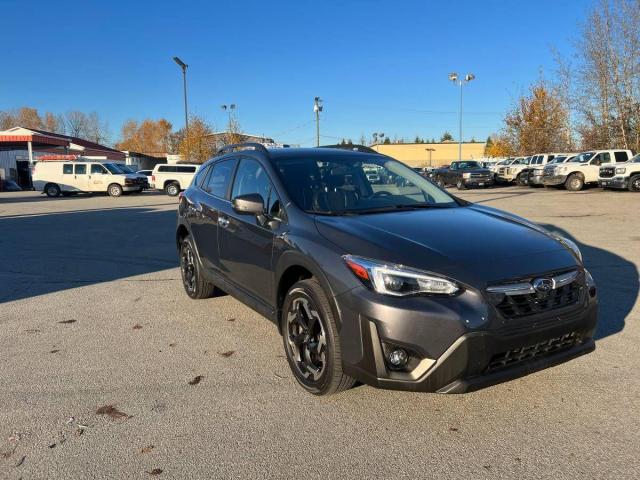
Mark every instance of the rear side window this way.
pixel 218 182
pixel 67 168
pixel 621 157
pixel 186 169
pixel 199 179
pixel 167 168
pixel 81 169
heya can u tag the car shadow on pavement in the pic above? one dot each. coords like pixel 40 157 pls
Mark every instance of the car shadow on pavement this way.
pixel 49 253
pixel 617 281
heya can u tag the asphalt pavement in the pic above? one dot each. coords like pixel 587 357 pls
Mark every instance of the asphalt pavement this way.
pixel 108 370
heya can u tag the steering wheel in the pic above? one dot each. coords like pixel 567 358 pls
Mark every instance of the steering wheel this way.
pixel 382 193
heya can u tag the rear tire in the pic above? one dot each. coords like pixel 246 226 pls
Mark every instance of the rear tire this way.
pixel 172 189
pixel 52 190
pixel 311 340
pixel 520 180
pixel 634 183
pixel 115 190
pixel 192 281
pixel 574 183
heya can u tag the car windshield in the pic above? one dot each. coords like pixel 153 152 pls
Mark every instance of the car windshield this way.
pixel 583 157
pixel 125 169
pixel 559 159
pixel 112 168
pixel 339 185
pixel 465 165
pixel 636 159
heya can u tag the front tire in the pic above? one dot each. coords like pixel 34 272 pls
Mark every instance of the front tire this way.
pixel 460 185
pixel 574 183
pixel 634 183
pixel 311 340
pixel 172 189
pixel 192 281
pixel 115 190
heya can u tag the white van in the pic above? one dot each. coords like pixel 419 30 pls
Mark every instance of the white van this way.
pixel 173 178
pixel 63 177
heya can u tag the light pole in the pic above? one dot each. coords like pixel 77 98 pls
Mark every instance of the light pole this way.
pixel 460 81
pixel 317 108
pixel 229 109
pixel 184 66
pixel 430 150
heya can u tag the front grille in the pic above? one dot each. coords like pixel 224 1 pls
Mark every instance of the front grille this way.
pixel 517 306
pixel 522 354
pixel 479 175
pixel 502 170
pixel 548 172
pixel 607 172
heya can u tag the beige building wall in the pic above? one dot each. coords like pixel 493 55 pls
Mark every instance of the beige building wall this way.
pixel 416 155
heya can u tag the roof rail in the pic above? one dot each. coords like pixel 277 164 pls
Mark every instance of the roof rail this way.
pixel 353 147
pixel 243 146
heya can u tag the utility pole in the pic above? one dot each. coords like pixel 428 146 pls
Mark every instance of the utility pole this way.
pixel 460 82
pixel 317 108
pixel 430 150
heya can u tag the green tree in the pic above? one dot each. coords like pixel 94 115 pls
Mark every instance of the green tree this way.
pixel 446 137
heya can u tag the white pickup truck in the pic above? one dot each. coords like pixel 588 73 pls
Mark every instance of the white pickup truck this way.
pixel 512 172
pixel 536 170
pixel 582 169
pixel 622 176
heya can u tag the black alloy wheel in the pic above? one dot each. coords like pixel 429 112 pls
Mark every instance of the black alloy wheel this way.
pixel 311 340
pixel 193 283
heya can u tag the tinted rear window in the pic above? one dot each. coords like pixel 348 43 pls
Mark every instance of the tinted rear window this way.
pixel 186 169
pixel 621 157
pixel 68 168
pixel 167 168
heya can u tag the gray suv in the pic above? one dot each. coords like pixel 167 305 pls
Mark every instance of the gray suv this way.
pixel 397 285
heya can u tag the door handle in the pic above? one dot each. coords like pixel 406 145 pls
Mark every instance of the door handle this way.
pixel 223 222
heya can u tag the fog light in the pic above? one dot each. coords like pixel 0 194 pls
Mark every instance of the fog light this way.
pixel 398 358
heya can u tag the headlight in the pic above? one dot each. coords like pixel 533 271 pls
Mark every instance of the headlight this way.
pixel 621 170
pixel 397 280
pixel 569 244
pixel 466 175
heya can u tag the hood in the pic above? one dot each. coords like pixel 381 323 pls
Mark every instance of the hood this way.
pixel 474 245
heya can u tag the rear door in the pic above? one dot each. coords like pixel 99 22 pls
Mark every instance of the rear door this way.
pixel 213 197
pixel 246 241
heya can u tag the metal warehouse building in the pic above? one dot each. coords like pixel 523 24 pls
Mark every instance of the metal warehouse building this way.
pixel 431 154
pixel 21 147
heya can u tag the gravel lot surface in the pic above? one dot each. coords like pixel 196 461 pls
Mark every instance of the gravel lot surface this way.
pixel 93 314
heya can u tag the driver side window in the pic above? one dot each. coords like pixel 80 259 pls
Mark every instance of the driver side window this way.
pixel 251 177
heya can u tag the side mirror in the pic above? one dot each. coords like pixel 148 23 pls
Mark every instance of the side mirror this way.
pixel 251 203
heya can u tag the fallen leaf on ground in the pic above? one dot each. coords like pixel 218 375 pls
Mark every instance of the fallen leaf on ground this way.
pixel 54 351
pixel 196 380
pixel 146 449
pixel 112 411
pixel 52 445
pixel 137 326
pixel 32 330
pixel 488 467
pixel 228 353
pixel 279 376
pixel 21 461
pixel 453 429
pixel 172 344
pixel 67 321
pixel 231 319
pixel 79 432
pixel 155 471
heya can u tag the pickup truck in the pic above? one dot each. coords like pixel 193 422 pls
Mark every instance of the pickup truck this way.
pixel 621 176
pixel 463 174
pixel 536 171
pixel 511 173
pixel 582 169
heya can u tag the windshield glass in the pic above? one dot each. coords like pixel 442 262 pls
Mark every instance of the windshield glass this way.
pixel 125 169
pixel 582 158
pixel 343 185
pixel 636 159
pixel 112 168
pixel 559 159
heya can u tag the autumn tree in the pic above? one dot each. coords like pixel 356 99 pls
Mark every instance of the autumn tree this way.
pixel 149 136
pixel 537 122
pixel 53 123
pixel 198 145
pixel 498 146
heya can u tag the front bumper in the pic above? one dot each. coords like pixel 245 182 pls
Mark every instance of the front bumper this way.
pixel 477 182
pixel 459 343
pixel 554 180
pixel 505 177
pixel 615 182
pixel 535 179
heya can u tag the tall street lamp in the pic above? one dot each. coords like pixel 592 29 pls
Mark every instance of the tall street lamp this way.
pixel 430 150
pixel 460 81
pixel 184 66
pixel 229 109
pixel 317 108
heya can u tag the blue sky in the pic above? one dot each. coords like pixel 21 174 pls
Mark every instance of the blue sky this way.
pixel 379 66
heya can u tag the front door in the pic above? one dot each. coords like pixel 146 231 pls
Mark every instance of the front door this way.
pixel 81 177
pixel 98 178
pixel 246 241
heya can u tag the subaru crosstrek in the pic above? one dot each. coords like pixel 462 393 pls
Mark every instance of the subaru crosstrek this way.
pixel 398 285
